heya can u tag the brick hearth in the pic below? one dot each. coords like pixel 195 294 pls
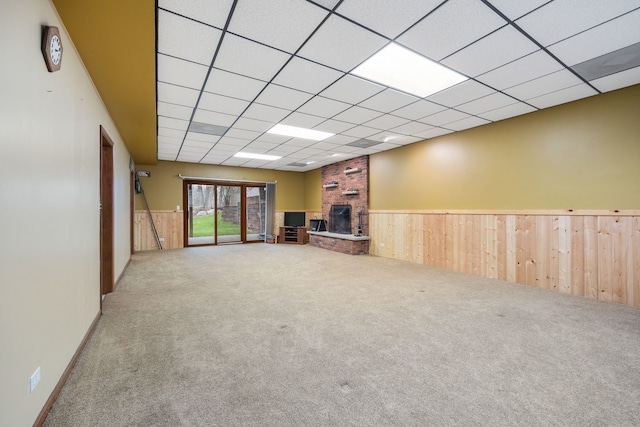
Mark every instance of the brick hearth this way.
pixel 346 183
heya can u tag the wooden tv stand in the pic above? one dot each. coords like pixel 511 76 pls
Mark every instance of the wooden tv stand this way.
pixel 293 235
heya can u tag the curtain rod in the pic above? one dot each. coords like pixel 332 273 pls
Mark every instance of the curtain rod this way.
pixel 202 178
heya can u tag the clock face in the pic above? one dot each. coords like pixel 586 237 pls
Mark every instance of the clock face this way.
pixel 55 50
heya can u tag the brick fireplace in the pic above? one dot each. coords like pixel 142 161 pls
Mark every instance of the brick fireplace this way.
pixel 345 188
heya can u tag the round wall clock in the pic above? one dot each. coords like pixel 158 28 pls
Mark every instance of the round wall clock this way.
pixel 52 48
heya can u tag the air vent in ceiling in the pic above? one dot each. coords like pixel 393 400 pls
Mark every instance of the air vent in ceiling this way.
pixel 610 63
pixel 207 128
pixel 363 143
pixel 297 164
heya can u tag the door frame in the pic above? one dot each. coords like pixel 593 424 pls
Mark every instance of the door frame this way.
pixel 106 215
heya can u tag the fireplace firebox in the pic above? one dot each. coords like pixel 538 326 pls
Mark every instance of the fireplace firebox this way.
pixel 340 219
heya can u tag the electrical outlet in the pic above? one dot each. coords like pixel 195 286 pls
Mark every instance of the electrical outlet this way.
pixel 34 380
pixel 161 239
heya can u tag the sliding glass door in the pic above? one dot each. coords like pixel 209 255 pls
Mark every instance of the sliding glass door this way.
pixel 229 214
pixel 201 214
pixel 224 213
pixel 256 213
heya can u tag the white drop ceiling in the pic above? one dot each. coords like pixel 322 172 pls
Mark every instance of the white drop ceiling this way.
pixel 243 66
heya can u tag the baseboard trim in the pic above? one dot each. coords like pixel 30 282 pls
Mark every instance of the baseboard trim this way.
pixel 42 416
pixel 115 285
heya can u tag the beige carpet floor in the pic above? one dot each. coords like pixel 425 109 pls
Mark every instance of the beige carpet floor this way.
pixel 287 335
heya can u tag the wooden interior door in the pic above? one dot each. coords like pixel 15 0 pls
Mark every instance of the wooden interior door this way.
pixel 106 215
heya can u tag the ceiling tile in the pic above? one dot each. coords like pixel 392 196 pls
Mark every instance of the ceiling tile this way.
pixel 299 142
pixel 323 107
pixel 385 17
pixel 186 156
pixel 212 12
pixel 498 48
pixel 168 142
pixel 241 56
pixel 340 139
pixel 234 161
pixel 520 71
pixel 283 24
pixel 222 104
pixel 487 103
pixel 388 100
pixel 260 147
pixel 194 150
pixel 265 113
pixel 418 110
pixel 444 117
pixel 432 133
pixel 341 44
pixel 352 89
pixel 201 138
pixel 334 126
pixel 213 159
pixel 229 143
pixel 213 118
pixel 283 97
pixel 357 115
pixel 200 145
pixel 562 96
pixel 394 138
pixel 560 19
pixel 515 9
pixel 323 145
pixel 467 123
pixel 386 122
pixel 613 35
pixel 461 93
pixel 180 72
pixel 618 80
pixel 440 34
pixel 249 135
pixel 329 4
pixel 177 94
pixel 171 133
pixel 306 76
pixel 272 138
pixel 302 120
pixel 186 39
pixel 233 85
pixel 412 128
pixel 507 112
pixel 543 85
pixel 360 131
pixel 253 125
pixel 170 123
pixel 174 111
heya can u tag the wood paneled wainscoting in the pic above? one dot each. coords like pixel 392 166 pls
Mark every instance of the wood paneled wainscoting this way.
pixel 169 227
pixel 595 254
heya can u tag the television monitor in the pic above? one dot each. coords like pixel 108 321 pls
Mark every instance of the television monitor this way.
pixel 294 219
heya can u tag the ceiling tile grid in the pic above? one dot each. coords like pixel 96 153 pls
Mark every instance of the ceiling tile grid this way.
pixel 229 71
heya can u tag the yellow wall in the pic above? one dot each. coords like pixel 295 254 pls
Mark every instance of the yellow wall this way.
pixel 163 188
pixel 581 155
pixel 49 181
pixel 313 190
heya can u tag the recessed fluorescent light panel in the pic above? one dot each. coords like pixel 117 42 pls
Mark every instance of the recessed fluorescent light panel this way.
pixel 402 69
pixel 256 156
pixel 297 132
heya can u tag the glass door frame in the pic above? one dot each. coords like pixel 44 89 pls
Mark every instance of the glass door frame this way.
pixel 243 209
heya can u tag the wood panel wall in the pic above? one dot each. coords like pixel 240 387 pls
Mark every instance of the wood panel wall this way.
pixel 168 224
pixel 595 254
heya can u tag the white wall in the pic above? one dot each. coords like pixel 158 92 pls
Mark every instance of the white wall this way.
pixel 49 194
